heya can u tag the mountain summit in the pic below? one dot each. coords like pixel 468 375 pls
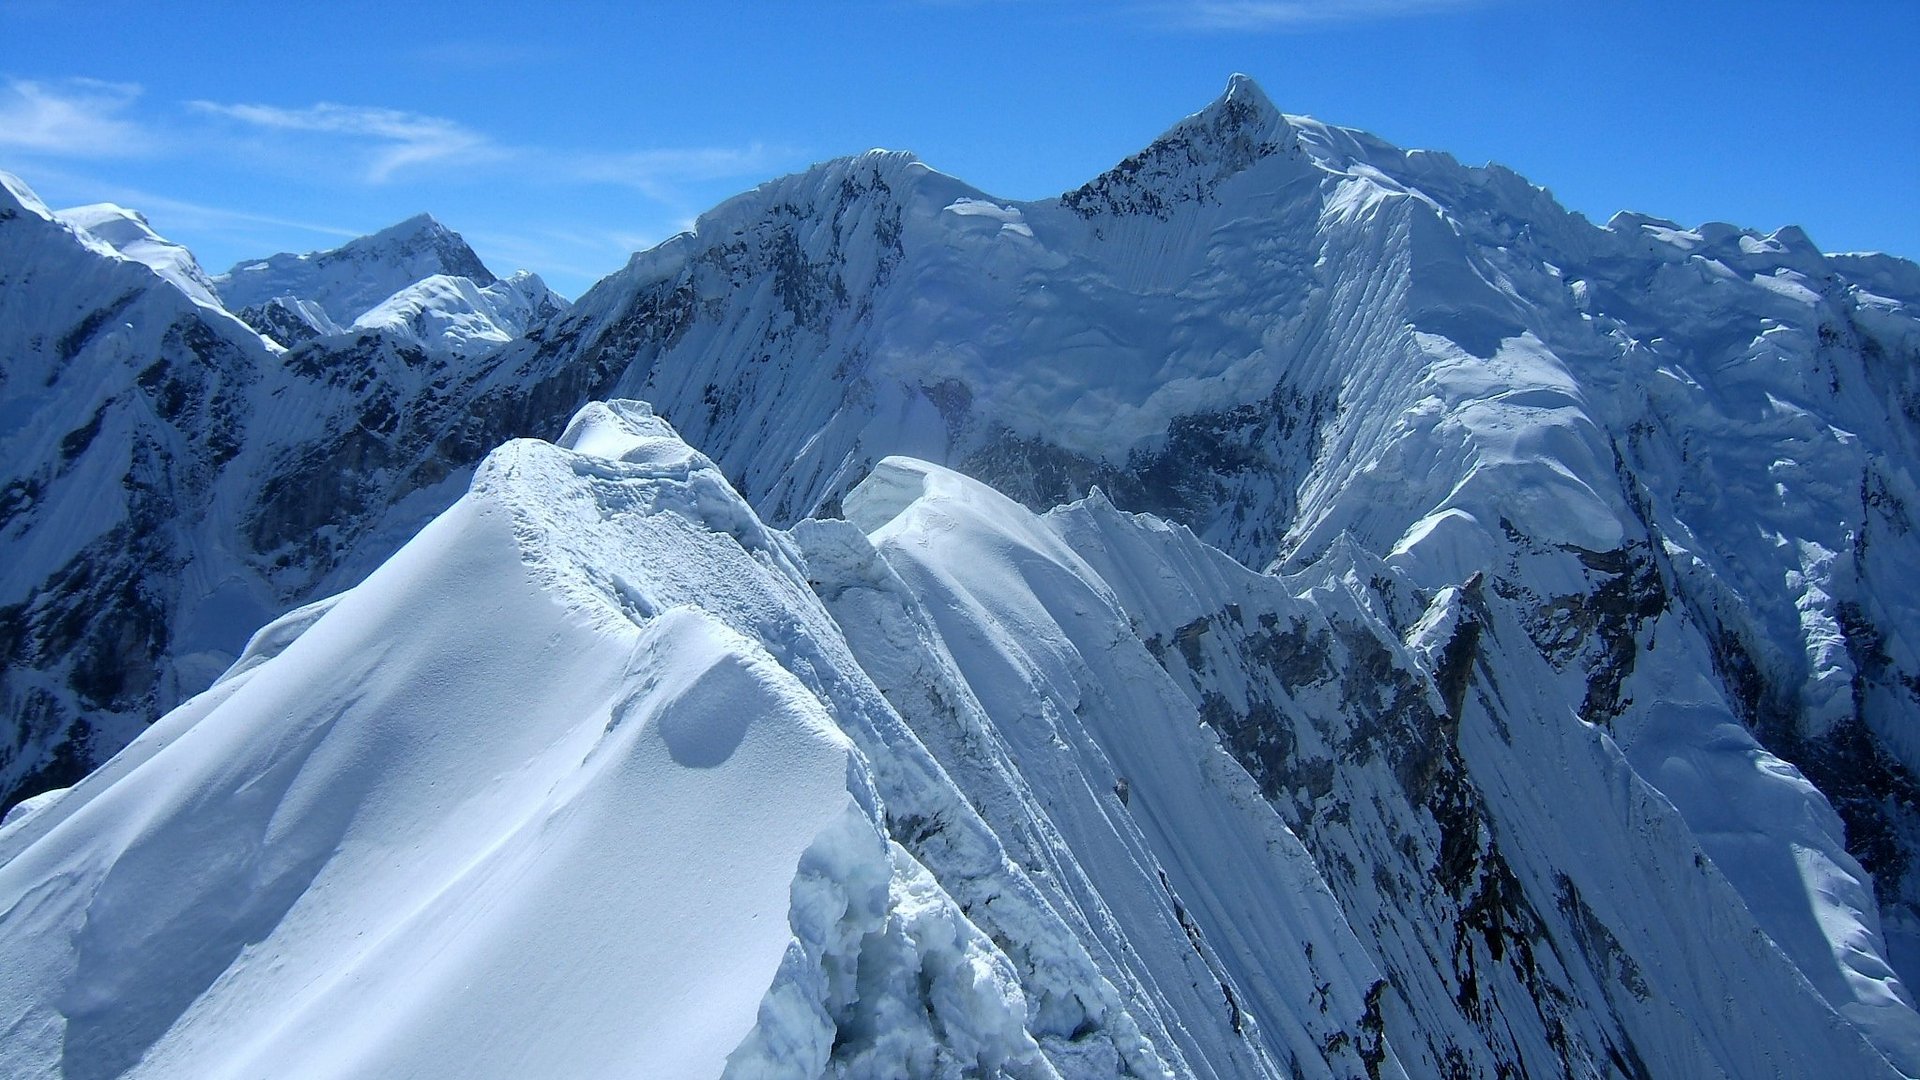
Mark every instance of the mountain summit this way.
pixel 1190 161
pixel 345 282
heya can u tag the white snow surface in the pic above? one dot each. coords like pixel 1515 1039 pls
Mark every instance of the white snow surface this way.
pixel 350 280
pixel 454 315
pixel 128 233
pixel 492 812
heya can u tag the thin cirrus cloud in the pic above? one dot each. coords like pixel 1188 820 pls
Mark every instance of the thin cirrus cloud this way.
pixel 394 139
pixel 655 173
pixel 93 119
pixel 1286 15
pixel 75 118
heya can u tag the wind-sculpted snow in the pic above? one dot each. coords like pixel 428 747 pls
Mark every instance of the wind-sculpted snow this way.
pixel 129 234
pixel 585 780
pixel 945 787
pixel 491 812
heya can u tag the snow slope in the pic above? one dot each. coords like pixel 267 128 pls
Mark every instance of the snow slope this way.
pixel 128 233
pixel 584 781
pixel 1547 911
pixel 528 785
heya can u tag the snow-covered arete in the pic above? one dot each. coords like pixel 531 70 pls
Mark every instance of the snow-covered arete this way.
pixel 600 773
pixel 584 781
pixel 482 816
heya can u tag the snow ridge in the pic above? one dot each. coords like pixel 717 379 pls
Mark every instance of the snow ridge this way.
pixel 664 693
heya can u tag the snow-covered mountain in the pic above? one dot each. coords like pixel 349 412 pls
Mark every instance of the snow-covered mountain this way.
pixel 356 277
pixel 417 280
pixel 1571 729
pixel 169 479
pixel 457 316
pixel 128 233
pixel 1297 340
pixel 944 788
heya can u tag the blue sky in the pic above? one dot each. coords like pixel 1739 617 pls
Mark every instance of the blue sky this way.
pixel 560 140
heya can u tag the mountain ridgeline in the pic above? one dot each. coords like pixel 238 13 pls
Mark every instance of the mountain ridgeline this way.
pixel 1289 606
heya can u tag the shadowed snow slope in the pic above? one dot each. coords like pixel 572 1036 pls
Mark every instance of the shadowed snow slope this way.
pixel 1543 909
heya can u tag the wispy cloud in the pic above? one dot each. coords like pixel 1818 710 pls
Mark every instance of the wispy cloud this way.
pixel 574 257
pixel 200 215
pixel 1300 14
pixel 656 173
pixel 80 118
pixel 177 213
pixel 389 142
pixel 391 139
pixel 332 147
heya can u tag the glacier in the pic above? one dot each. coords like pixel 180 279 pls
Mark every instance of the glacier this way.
pixel 1290 606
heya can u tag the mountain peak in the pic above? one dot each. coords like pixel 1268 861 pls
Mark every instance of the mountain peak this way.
pixel 421 224
pixel 1196 155
pixel 1243 93
pixel 16 196
pixel 424 233
pixel 352 279
pixel 1242 121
